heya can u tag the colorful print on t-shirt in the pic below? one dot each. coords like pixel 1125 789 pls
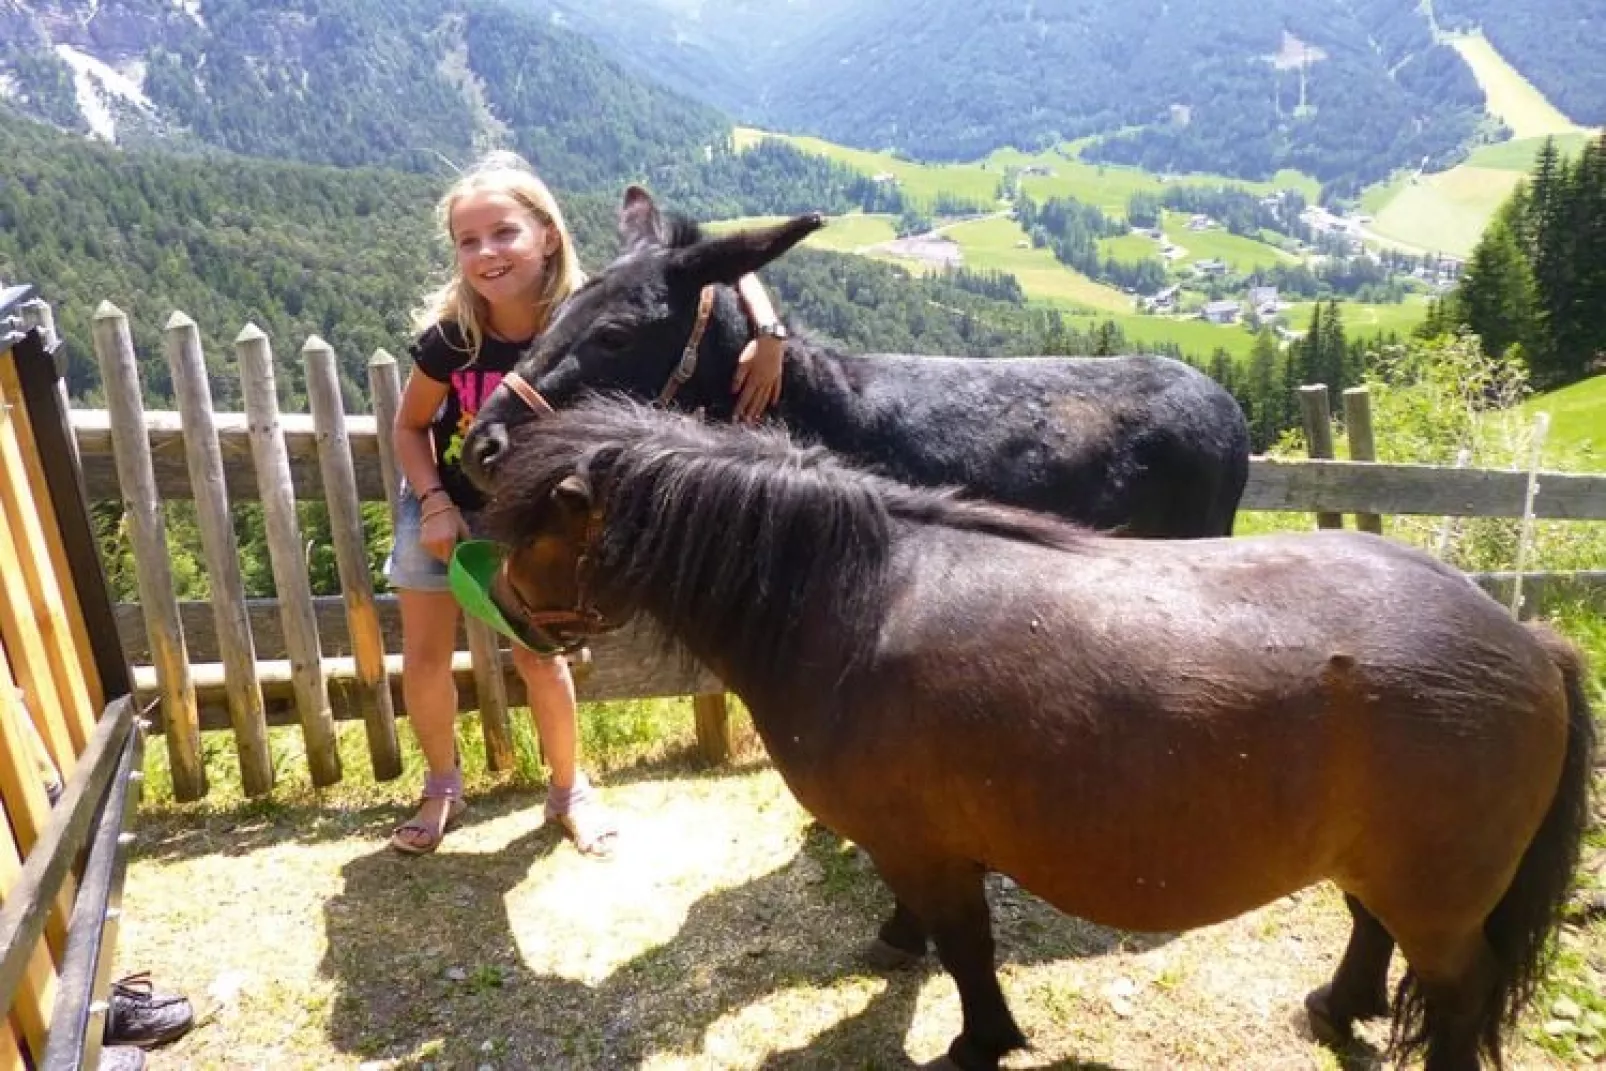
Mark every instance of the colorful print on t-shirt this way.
pixel 472 386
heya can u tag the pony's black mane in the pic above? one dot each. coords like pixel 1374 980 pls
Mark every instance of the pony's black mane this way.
pixel 730 528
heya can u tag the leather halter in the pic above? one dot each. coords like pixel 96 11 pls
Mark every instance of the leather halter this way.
pixel 688 356
pixel 527 394
pixel 584 618
pixel 677 379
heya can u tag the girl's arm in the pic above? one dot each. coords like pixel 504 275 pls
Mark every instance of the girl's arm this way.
pixel 758 370
pixel 415 455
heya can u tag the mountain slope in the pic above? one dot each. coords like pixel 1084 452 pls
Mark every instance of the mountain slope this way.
pixel 1556 44
pixel 1345 89
pixel 400 83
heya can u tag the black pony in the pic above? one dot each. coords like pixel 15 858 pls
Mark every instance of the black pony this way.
pixel 1143 445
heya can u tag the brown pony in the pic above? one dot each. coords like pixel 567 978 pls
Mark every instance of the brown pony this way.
pixel 1150 735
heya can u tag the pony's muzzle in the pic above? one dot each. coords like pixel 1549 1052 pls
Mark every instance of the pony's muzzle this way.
pixel 483 449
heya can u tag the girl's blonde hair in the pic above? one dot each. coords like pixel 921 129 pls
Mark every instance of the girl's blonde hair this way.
pixel 455 301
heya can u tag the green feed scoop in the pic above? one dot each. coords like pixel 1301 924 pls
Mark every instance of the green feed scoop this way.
pixel 473 567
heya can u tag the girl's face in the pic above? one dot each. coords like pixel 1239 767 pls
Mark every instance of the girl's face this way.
pixel 502 246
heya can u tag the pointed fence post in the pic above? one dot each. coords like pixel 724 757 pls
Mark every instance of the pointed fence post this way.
pixel 38 314
pixel 351 558
pixel 1362 447
pixel 1319 434
pixel 182 341
pixel 119 373
pixel 272 463
pixel 384 388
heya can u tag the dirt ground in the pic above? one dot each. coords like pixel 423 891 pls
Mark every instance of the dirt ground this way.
pixel 723 935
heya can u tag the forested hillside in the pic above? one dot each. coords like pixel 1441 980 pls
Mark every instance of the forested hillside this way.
pixel 1532 288
pixel 300 249
pixel 1556 44
pixel 399 83
pixel 1345 89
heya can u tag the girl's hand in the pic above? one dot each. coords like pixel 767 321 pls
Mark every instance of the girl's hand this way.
pixel 758 378
pixel 441 531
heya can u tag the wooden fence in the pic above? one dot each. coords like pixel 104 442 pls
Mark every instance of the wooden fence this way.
pixel 59 736
pixel 245 664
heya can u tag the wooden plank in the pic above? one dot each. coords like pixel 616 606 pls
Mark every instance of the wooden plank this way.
pixel 384 388
pixel 50 422
pixel 1362 446
pixel 712 716
pixel 1295 486
pixel 167 455
pixel 271 464
pixel 624 665
pixel 52 524
pixel 490 686
pixel 40 583
pixel 1419 490
pixel 19 629
pixel 351 558
pixel 1319 438
pixel 147 532
pixel 182 342
pixel 22 791
pixel 37 994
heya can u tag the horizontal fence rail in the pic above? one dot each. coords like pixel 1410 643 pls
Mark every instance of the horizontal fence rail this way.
pixel 314 660
pixel 1291 486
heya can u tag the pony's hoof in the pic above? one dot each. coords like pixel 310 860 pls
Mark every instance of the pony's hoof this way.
pixel 885 956
pixel 1333 1033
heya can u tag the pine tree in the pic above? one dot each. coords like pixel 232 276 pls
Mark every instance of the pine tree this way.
pixel 1265 388
pixel 1497 297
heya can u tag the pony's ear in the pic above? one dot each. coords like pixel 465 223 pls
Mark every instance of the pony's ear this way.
pixel 573 493
pixel 639 223
pixel 728 257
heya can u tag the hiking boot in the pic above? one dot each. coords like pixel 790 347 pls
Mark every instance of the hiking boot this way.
pixel 121 1058
pixel 139 1015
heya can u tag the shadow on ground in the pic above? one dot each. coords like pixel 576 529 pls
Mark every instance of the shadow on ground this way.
pixel 427 965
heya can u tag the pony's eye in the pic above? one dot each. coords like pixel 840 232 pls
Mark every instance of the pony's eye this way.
pixel 611 338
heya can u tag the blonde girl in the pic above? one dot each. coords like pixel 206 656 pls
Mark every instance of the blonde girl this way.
pixel 514 263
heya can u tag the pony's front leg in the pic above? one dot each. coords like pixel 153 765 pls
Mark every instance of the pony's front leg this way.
pixel 949 898
pixel 901 942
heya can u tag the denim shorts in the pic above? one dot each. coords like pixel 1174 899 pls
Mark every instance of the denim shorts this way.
pixel 410 565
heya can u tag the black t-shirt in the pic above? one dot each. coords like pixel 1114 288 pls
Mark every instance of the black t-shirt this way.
pixel 441 354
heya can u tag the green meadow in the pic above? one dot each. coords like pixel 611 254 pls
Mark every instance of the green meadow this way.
pixel 1108 186
pixel 1239 253
pixel 1577 416
pixel 998 243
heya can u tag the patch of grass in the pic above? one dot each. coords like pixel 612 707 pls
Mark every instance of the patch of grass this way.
pixel 1577 419
pixel 1519 154
pixel 1242 254
pixel 920 182
pixel 1193 335
pixel 1361 318
pixel 1105 185
pixel 1511 97
pixel 1446 212
pixel 1130 248
pixel 613 735
pixel 995 244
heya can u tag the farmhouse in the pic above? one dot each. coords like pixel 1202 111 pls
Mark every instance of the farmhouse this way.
pixel 1221 312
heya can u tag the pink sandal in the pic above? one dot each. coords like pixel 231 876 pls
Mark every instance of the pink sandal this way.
pixel 580 811
pixel 417 837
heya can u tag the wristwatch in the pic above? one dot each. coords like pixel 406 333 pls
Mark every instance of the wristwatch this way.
pixel 775 329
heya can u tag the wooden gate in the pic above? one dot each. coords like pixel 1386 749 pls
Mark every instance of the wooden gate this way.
pixel 70 746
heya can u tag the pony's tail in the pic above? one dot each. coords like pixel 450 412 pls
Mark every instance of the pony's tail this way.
pixel 1520 927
